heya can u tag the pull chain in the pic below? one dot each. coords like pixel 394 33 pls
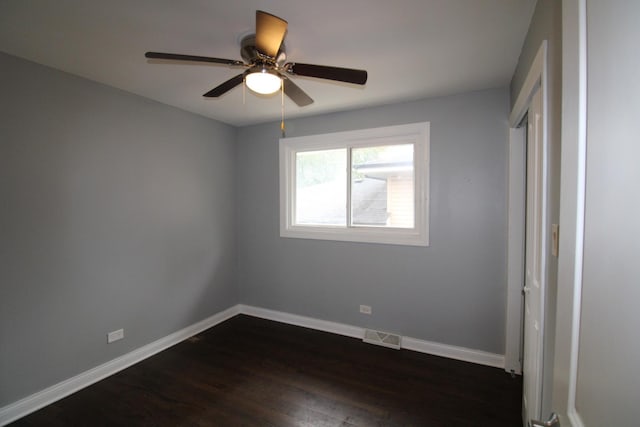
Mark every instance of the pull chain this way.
pixel 282 107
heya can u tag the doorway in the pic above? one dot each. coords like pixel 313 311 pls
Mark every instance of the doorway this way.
pixel 528 226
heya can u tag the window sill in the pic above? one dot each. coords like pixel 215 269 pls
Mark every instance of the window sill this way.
pixel 358 235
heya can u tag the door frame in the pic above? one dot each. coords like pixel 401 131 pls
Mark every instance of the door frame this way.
pixel 537 79
pixel 572 210
pixel 515 249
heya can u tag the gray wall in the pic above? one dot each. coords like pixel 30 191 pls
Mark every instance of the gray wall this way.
pixel 546 24
pixel 115 213
pixel 452 292
pixel 608 386
pixel 119 212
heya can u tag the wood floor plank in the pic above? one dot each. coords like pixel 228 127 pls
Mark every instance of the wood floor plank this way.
pixel 254 372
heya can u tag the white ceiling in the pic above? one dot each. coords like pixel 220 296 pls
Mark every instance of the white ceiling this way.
pixel 411 48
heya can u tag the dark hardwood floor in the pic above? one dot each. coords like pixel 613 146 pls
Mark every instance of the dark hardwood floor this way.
pixel 253 372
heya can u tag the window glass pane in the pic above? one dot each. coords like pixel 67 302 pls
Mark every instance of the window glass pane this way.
pixel 386 202
pixel 321 192
pixel 382 191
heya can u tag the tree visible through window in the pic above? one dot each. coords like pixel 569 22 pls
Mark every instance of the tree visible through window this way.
pixel 320 187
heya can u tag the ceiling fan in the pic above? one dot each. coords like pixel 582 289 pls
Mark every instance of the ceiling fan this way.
pixel 264 61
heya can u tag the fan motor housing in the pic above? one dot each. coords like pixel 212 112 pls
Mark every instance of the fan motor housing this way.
pixel 249 52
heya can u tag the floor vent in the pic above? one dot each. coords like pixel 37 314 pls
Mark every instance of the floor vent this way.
pixel 382 338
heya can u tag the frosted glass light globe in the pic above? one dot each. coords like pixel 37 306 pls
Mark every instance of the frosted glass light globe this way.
pixel 263 82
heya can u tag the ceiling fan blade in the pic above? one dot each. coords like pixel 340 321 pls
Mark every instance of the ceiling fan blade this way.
pixel 270 31
pixel 225 87
pixel 179 57
pixel 347 75
pixel 296 94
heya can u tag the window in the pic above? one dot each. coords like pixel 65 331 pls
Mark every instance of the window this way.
pixel 364 186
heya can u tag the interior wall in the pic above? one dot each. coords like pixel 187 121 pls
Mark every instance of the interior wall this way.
pixel 115 214
pixel 546 24
pixel 452 292
pixel 608 383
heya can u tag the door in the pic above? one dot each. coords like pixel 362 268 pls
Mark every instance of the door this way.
pixel 595 375
pixel 534 286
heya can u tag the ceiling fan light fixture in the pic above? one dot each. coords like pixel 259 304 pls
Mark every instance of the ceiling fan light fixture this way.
pixel 263 81
pixel 265 70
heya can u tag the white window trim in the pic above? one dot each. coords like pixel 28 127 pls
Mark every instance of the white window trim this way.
pixel 416 133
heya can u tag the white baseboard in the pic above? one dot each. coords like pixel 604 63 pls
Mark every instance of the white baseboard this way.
pixel 58 391
pixel 307 322
pixel 452 352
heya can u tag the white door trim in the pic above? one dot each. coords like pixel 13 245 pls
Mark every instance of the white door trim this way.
pixel 515 249
pixel 572 209
pixel 537 75
pixel 536 80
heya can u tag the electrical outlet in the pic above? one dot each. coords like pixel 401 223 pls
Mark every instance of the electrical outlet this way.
pixel 115 336
pixel 365 309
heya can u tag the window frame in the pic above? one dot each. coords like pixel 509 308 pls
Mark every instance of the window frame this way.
pixel 414 133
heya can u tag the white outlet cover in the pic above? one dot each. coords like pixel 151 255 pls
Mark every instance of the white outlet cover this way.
pixel 115 335
pixel 365 309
